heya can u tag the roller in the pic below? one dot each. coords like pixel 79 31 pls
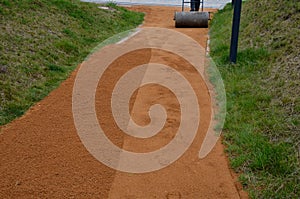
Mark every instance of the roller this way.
pixel 191 19
pixel 194 18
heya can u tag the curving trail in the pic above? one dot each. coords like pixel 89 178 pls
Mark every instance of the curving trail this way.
pixel 42 156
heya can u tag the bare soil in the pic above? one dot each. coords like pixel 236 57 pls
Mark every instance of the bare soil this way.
pixel 41 154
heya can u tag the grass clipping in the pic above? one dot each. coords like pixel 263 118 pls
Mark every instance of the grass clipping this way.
pixel 42 41
pixel 262 128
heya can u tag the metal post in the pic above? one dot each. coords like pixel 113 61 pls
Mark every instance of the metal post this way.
pixel 235 30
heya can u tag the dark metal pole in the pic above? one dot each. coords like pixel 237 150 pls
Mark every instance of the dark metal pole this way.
pixel 235 30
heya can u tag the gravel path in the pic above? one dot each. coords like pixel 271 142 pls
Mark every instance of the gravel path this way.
pixel 42 155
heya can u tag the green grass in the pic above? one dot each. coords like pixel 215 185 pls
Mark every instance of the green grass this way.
pixel 42 41
pixel 262 128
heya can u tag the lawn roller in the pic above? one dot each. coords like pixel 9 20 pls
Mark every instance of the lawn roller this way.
pixel 194 18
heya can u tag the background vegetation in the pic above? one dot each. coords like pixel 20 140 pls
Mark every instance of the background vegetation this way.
pixel 262 129
pixel 42 41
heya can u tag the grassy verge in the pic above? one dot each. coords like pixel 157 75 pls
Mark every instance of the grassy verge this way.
pixel 262 128
pixel 42 41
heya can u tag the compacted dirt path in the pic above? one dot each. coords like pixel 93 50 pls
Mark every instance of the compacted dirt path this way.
pixel 42 156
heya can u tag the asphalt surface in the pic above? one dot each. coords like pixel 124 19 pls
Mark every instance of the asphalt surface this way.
pixel 218 4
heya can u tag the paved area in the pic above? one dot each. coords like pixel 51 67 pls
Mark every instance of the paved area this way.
pixel 218 4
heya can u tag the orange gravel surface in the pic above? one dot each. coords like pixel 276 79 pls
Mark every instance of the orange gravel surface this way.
pixel 42 156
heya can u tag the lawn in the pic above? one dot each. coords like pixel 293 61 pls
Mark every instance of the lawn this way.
pixel 262 128
pixel 43 41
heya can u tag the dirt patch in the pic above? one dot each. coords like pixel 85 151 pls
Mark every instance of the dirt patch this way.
pixel 41 154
